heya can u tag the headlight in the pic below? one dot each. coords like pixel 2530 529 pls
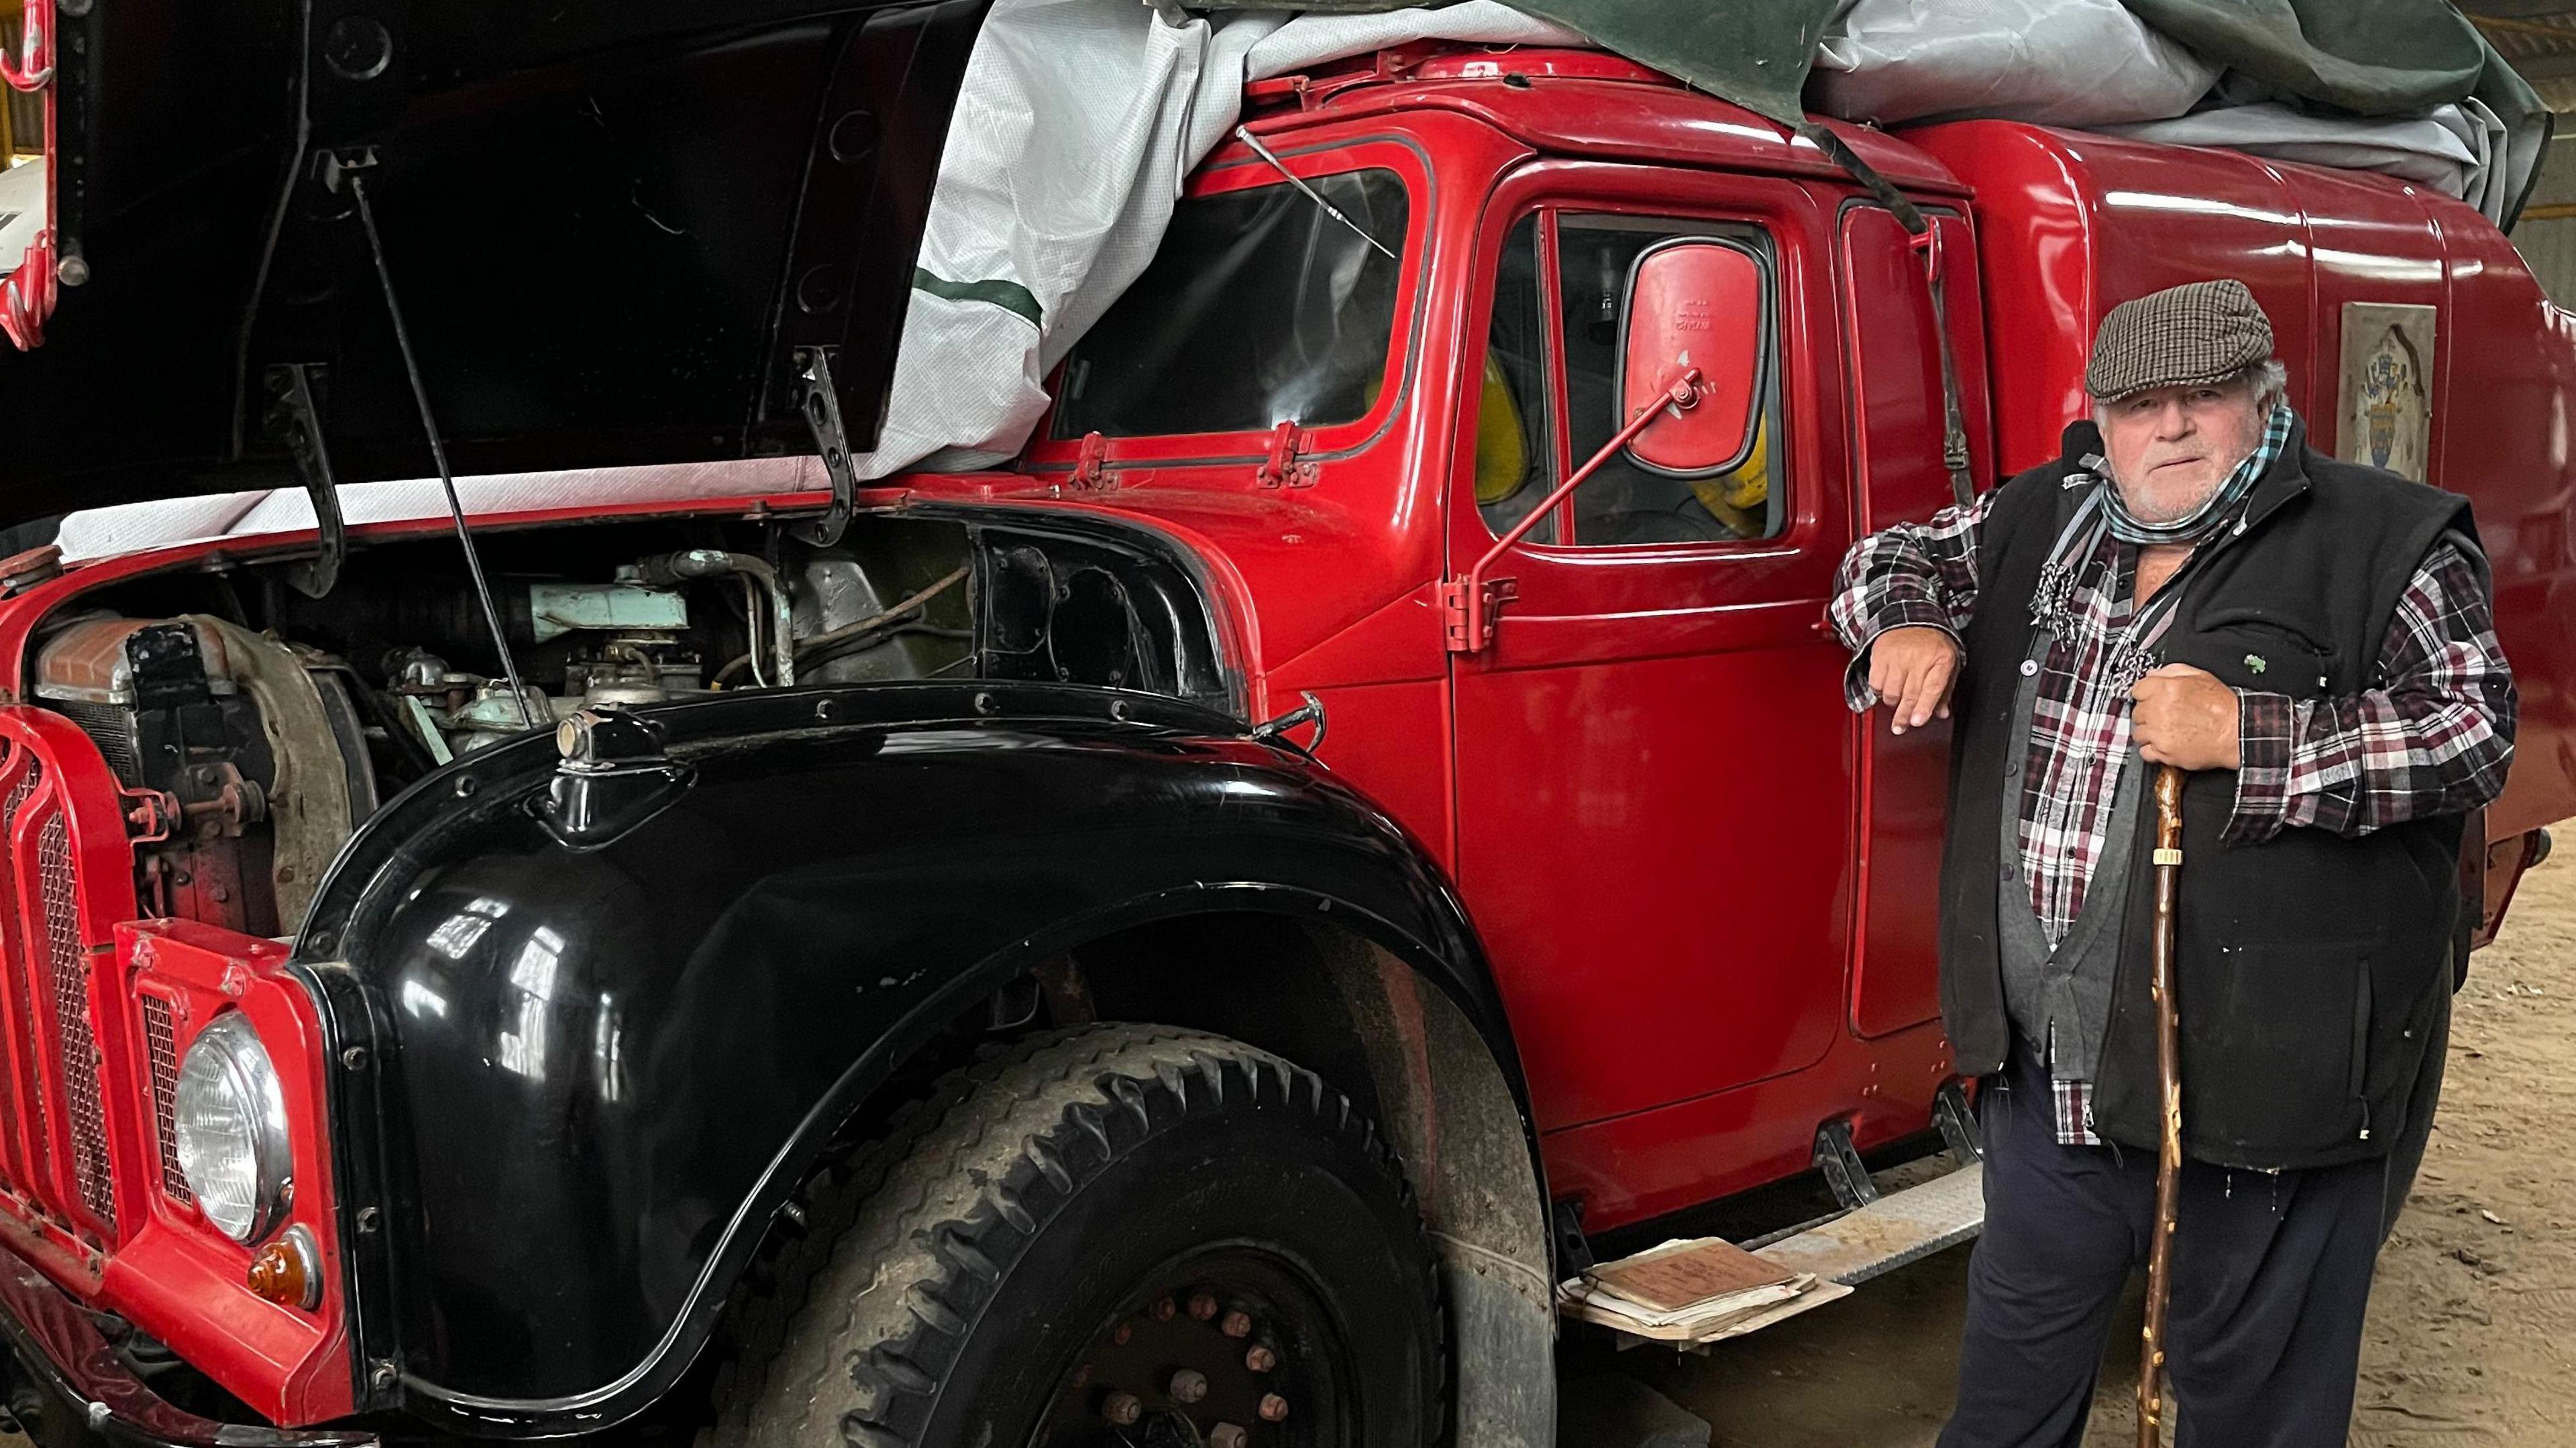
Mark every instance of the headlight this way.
pixel 231 1128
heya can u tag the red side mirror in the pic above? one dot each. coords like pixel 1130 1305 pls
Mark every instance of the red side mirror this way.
pixel 1695 303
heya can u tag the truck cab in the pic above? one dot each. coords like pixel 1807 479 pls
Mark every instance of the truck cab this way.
pixel 1700 879
pixel 1198 926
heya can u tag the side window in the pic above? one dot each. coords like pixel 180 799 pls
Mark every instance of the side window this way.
pixel 1625 502
pixel 1515 451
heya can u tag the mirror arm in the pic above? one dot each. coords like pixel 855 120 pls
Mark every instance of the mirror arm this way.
pixel 1468 601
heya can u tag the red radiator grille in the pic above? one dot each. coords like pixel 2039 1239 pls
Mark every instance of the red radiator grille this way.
pixel 161 1043
pixel 23 1172
pixel 75 1039
pixel 56 1158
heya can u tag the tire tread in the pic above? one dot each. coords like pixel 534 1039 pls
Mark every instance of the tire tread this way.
pixel 903 1242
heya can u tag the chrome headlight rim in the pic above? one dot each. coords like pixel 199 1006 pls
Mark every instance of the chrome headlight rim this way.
pixel 249 1077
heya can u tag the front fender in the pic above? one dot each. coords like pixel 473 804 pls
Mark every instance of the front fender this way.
pixel 597 1073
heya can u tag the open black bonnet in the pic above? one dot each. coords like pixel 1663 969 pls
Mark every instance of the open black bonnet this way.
pixel 617 229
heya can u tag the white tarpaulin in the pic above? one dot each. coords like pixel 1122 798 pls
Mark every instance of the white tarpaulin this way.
pixel 1078 123
pixel 2052 62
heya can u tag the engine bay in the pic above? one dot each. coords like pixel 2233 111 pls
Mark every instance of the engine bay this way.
pixel 264 726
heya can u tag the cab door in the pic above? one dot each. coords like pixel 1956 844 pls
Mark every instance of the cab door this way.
pixel 1897 421
pixel 1653 795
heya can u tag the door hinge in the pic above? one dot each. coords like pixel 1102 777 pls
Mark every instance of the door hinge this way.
pixel 820 400
pixel 1467 608
pixel 1091 465
pixel 1282 469
pixel 293 416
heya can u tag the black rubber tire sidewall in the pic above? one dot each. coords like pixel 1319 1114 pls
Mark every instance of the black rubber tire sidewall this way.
pixel 1264 1178
pixel 932 1290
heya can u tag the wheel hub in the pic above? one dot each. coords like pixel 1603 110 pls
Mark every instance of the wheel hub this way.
pixel 1229 1352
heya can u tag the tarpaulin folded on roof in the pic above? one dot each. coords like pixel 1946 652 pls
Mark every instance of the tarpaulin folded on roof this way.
pixel 2054 62
pixel 2245 76
pixel 1080 120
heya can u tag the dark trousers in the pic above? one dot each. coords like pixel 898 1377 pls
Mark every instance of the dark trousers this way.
pixel 2271 1278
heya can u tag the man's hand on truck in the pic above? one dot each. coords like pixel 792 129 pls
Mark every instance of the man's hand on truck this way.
pixel 1911 669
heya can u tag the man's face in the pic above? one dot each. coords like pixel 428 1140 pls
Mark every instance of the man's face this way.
pixel 2170 447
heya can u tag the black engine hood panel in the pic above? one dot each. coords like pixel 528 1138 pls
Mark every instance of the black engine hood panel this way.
pixel 612 224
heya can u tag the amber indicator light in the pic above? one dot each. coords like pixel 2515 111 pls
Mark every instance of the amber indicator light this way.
pixel 285 1271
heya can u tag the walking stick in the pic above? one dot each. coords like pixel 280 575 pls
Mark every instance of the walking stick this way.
pixel 2168 861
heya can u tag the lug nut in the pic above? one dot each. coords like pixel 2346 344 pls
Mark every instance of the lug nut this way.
pixel 1165 1309
pixel 1237 1323
pixel 1122 1409
pixel 1274 1408
pixel 1124 1332
pixel 1189 1385
pixel 1260 1359
pixel 1228 1435
pixel 1203 1305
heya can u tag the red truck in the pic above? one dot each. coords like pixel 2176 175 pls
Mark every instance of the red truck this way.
pixel 1184 938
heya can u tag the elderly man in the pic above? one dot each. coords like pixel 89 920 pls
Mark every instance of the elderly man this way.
pixel 2191 584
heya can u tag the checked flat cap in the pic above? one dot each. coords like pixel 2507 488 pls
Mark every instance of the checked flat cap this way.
pixel 2179 337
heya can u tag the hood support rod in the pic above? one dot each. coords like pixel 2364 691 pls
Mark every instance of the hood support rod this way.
pixel 293 414
pixel 819 398
pixel 354 175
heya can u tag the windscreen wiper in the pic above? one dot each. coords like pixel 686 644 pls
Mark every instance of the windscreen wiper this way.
pixel 1264 152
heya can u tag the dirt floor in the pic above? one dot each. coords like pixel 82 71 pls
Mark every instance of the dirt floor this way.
pixel 2472 1337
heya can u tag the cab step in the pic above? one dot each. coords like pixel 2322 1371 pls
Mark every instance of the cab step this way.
pixel 1898 1228
pixel 1845 1250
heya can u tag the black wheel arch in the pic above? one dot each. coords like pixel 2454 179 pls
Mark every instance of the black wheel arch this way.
pixel 597 1074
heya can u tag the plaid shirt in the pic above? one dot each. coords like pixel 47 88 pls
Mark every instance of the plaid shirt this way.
pixel 2432 736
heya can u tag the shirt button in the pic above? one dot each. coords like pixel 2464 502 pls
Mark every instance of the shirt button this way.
pixel 2029 667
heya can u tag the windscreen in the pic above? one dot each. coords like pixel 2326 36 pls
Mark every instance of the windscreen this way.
pixel 1259 308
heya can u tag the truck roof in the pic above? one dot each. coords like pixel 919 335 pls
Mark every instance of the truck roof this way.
pixel 1580 103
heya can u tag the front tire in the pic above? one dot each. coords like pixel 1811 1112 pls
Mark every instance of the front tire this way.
pixel 1114 1235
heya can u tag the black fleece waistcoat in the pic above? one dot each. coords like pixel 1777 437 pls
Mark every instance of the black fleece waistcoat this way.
pixel 2309 964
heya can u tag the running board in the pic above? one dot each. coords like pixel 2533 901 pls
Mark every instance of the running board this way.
pixel 1898 1228
pixel 1843 1251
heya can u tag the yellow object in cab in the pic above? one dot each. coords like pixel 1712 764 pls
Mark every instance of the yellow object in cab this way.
pixel 1502 446
pixel 1739 496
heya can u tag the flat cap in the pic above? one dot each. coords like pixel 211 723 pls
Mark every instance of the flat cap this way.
pixel 2179 337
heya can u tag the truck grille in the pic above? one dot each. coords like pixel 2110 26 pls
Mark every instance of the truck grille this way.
pixel 30 775
pixel 55 1158
pixel 75 1039
pixel 161 1044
